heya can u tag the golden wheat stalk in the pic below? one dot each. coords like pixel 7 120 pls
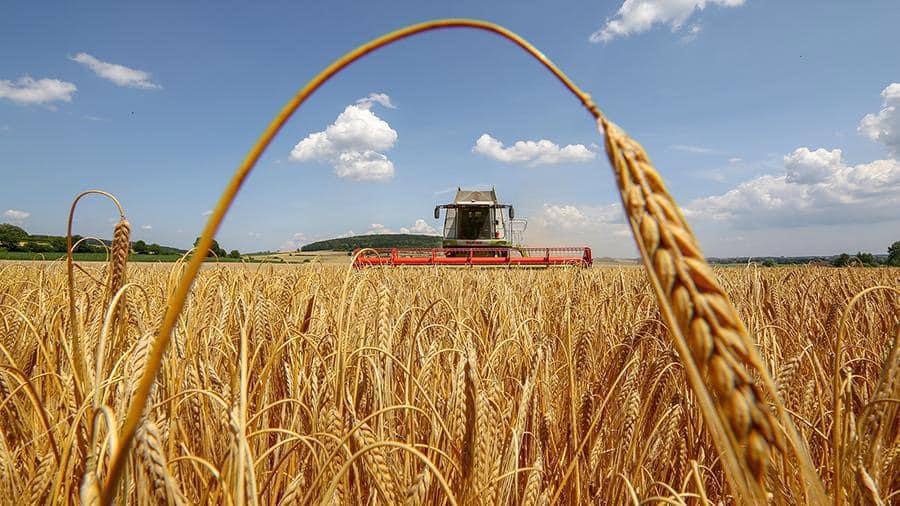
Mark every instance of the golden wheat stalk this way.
pixel 720 357
pixel 74 324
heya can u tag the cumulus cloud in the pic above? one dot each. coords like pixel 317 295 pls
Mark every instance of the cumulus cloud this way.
pixel 419 227
pixel 817 187
pixel 808 167
pixel 884 126
pixel 16 215
pixel 600 226
pixel 532 153
pixel 378 229
pixel 28 91
pixel 354 143
pixel 572 217
pixel 118 74
pixel 146 227
pixel 638 16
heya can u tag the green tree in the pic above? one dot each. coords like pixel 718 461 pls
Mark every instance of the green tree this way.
pixel 841 260
pixel 768 263
pixel 215 249
pixel 11 236
pixel 140 247
pixel 154 249
pixel 84 247
pixel 866 259
pixel 234 254
pixel 894 254
pixel 39 247
pixel 59 244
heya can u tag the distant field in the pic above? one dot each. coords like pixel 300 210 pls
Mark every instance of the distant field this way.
pixel 303 257
pixel 93 257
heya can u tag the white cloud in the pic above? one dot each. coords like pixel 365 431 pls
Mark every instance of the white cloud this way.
pixel 208 212
pixel 818 187
pixel 352 145
pixel 565 216
pixel 146 227
pixel 735 160
pixel 571 217
pixel 884 127
pixel 600 226
pixel 419 227
pixel 363 165
pixel 26 90
pixel 532 153
pixel 380 98
pixel 378 229
pixel 638 16
pixel 806 167
pixel 692 149
pixel 118 74
pixel 255 235
pixel 16 215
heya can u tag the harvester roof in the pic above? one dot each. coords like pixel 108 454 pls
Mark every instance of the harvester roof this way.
pixel 484 197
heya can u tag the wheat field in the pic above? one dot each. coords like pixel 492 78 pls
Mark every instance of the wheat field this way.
pixel 328 385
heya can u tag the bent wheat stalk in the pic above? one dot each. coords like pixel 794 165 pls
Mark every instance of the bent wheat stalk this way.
pixel 74 332
pixel 718 354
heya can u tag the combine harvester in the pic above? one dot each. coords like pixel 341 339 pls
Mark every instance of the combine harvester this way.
pixel 477 232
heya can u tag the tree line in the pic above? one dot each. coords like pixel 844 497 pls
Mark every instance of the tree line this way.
pixel 15 238
pixel 868 259
pixel 218 251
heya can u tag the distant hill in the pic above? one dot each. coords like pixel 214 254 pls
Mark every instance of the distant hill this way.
pixel 375 241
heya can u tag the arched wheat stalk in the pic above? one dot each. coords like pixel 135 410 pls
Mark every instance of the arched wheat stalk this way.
pixel 732 384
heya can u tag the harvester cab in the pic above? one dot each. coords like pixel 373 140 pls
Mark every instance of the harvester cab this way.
pixel 476 219
pixel 478 230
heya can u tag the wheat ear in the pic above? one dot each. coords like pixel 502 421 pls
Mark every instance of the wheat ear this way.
pixel 719 356
pixel 417 491
pixel 153 462
pixel 118 258
pixel 377 463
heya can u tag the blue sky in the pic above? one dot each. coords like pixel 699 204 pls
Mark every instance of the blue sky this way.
pixel 742 105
